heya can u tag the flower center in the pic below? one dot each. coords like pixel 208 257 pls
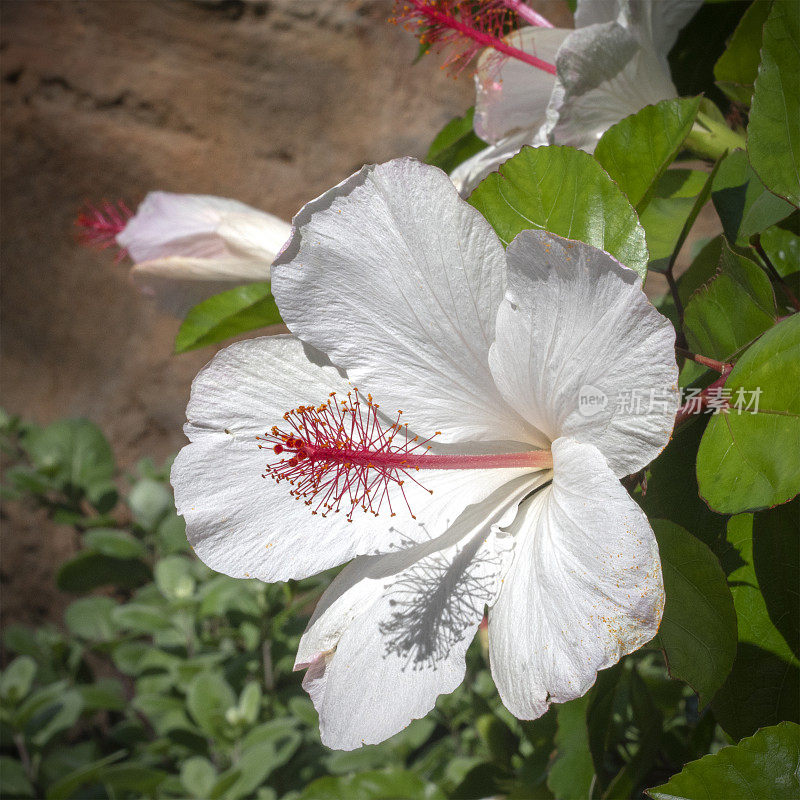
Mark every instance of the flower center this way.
pixel 341 455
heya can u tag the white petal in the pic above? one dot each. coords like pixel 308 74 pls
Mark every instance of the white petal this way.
pixel 512 96
pixel 245 525
pixel 591 12
pixel 398 280
pixel 655 21
pixel 576 325
pixel 390 633
pixel 467 175
pixel 604 75
pixel 201 226
pixel 584 588
pixel 658 22
pixel 178 283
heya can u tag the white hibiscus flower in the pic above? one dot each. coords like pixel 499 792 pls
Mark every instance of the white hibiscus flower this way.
pixel 612 65
pixel 187 247
pixel 500 492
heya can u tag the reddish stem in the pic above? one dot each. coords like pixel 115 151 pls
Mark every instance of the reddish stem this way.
pixel 696 405
pixel 717 366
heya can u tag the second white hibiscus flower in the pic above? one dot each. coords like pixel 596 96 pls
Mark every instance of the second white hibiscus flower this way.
pixel 499 493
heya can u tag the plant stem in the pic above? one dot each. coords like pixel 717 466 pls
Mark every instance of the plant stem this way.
pixel 718 366
pixel 711 138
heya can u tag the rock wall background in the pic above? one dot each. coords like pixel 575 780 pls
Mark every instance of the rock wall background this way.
pixel 268 102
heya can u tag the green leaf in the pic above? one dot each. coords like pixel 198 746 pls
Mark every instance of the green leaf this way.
pixel 782 246
pixel 763 766
pixel 751 460
pixel 773 133
pixel 672 205
pixel 92 618
pixel 74 451
pixel 763 687
pixel 637 150
pixel 732 310
pixel 17 678
pixel 208 698
pixel 141 618
pixel 173 577
pixel 134 778
pixel 89 570
pixel 13 780
pixel 455 143
pixel 566 192
pixel 672 487
pixel 736 69
pixel 372 786
pixel 198 776
pixel 105 694
pixel 744 204
pixel 66 786
pixel 149 501
pixel 498 737
pixel 228 314
pixel 572 773
pixel 117 544
pixel 698 629
pixel 60 716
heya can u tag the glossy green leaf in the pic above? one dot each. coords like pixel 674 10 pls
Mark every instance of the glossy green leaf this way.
pixel 702 269
pixel 763 766
pixel 141 618
pixel 136 778
pixel 239 310
pixel 773 133
pixel 60 716
pixel 782 246
pixel 105 694
pixel 92 618
pixel 698 629
pixel 750 458
pixel 568 193
pixel 455 143
pixel 744 204
pixel 66 786
pixel 637 150
pixel 572 772
pixel 174 577
pixel 89 570
pixel 110 542
pixel 732 310
pixel 672 487
pixel 671 208
pixel 737 68
pixel 763 687
pixel 17 679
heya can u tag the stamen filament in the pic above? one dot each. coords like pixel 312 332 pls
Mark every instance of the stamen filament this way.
pixel 343 454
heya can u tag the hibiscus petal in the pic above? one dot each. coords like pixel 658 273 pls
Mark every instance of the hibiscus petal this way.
pixel 398 280
pixel 658 22
pixel 201 226
pixel 511 95
pixel 581 352
pixel 178 283
pixel 583 590
pixel 245 525
pixel 604 75
pixel 390 633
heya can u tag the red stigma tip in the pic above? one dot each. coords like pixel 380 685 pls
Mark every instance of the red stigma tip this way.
pixel 98 226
